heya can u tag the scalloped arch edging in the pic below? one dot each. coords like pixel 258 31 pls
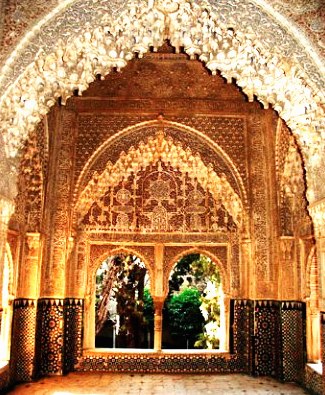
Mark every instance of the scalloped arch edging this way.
pixel 113 43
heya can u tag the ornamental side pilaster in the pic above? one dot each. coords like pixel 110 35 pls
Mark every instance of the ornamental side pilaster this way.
pixel 58 205
pixel 262 202
pixel 317 212
pixel 30 268
pixel 247 273
pixel 77 273
pixel 287 288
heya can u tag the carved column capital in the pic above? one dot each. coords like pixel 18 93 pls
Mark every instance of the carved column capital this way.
pixel 28 281
pixel 32 241
pixel 158 302
pixel 286 246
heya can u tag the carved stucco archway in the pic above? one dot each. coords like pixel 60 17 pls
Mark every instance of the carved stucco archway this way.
pixel 259 67
pixel 162 124
pixel 165 149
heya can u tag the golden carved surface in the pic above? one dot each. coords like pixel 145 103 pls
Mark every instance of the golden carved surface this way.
pixel 210 174
pixel 159 150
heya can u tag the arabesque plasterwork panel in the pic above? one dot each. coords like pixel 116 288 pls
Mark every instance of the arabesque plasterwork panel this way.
pixel 56 246
pixel 259 199
pixel 71 19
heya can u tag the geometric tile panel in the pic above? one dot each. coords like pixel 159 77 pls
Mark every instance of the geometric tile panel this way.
pixel 267 344
pixel 50 336
pixel 276 349
pixel 241 331
pixel 293 340
pixel 4 379
pixel 313 381
pixel 23 340
pixel 73 313
pixel 155 363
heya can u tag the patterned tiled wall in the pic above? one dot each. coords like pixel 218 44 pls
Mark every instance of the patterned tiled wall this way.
pixel 293 335
pixel 23 339
pixel 313 381
pixel 276 349
pixel 267 338
pixel 241 328
pixel 4 379
pixel 155 363
pixel 50 336
pixel 73 313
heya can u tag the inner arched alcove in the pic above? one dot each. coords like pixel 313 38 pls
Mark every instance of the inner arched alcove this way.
pixel 161 159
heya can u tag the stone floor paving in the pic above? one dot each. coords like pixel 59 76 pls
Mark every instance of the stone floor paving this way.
pixel 155 384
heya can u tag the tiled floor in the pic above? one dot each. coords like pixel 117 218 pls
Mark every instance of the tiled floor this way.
pixel 156 384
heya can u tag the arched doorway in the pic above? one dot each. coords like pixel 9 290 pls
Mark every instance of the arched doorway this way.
pixel 194 310
pixel 124 307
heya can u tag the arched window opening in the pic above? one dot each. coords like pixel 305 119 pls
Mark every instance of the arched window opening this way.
pixel 193 314
pixel 124 307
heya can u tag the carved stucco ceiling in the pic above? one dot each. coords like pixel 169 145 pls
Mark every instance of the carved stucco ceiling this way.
pixel 279 30
pixel 18 17
pixel 297 29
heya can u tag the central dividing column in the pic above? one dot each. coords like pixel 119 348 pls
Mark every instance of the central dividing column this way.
pixel 158 296
pixel 159 303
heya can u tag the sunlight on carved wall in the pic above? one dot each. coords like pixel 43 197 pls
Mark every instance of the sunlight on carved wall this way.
pixel 241 56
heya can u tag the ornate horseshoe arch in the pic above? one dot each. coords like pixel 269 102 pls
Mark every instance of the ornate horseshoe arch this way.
pixel 155 197
pixel 160 124
pixel 165 150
